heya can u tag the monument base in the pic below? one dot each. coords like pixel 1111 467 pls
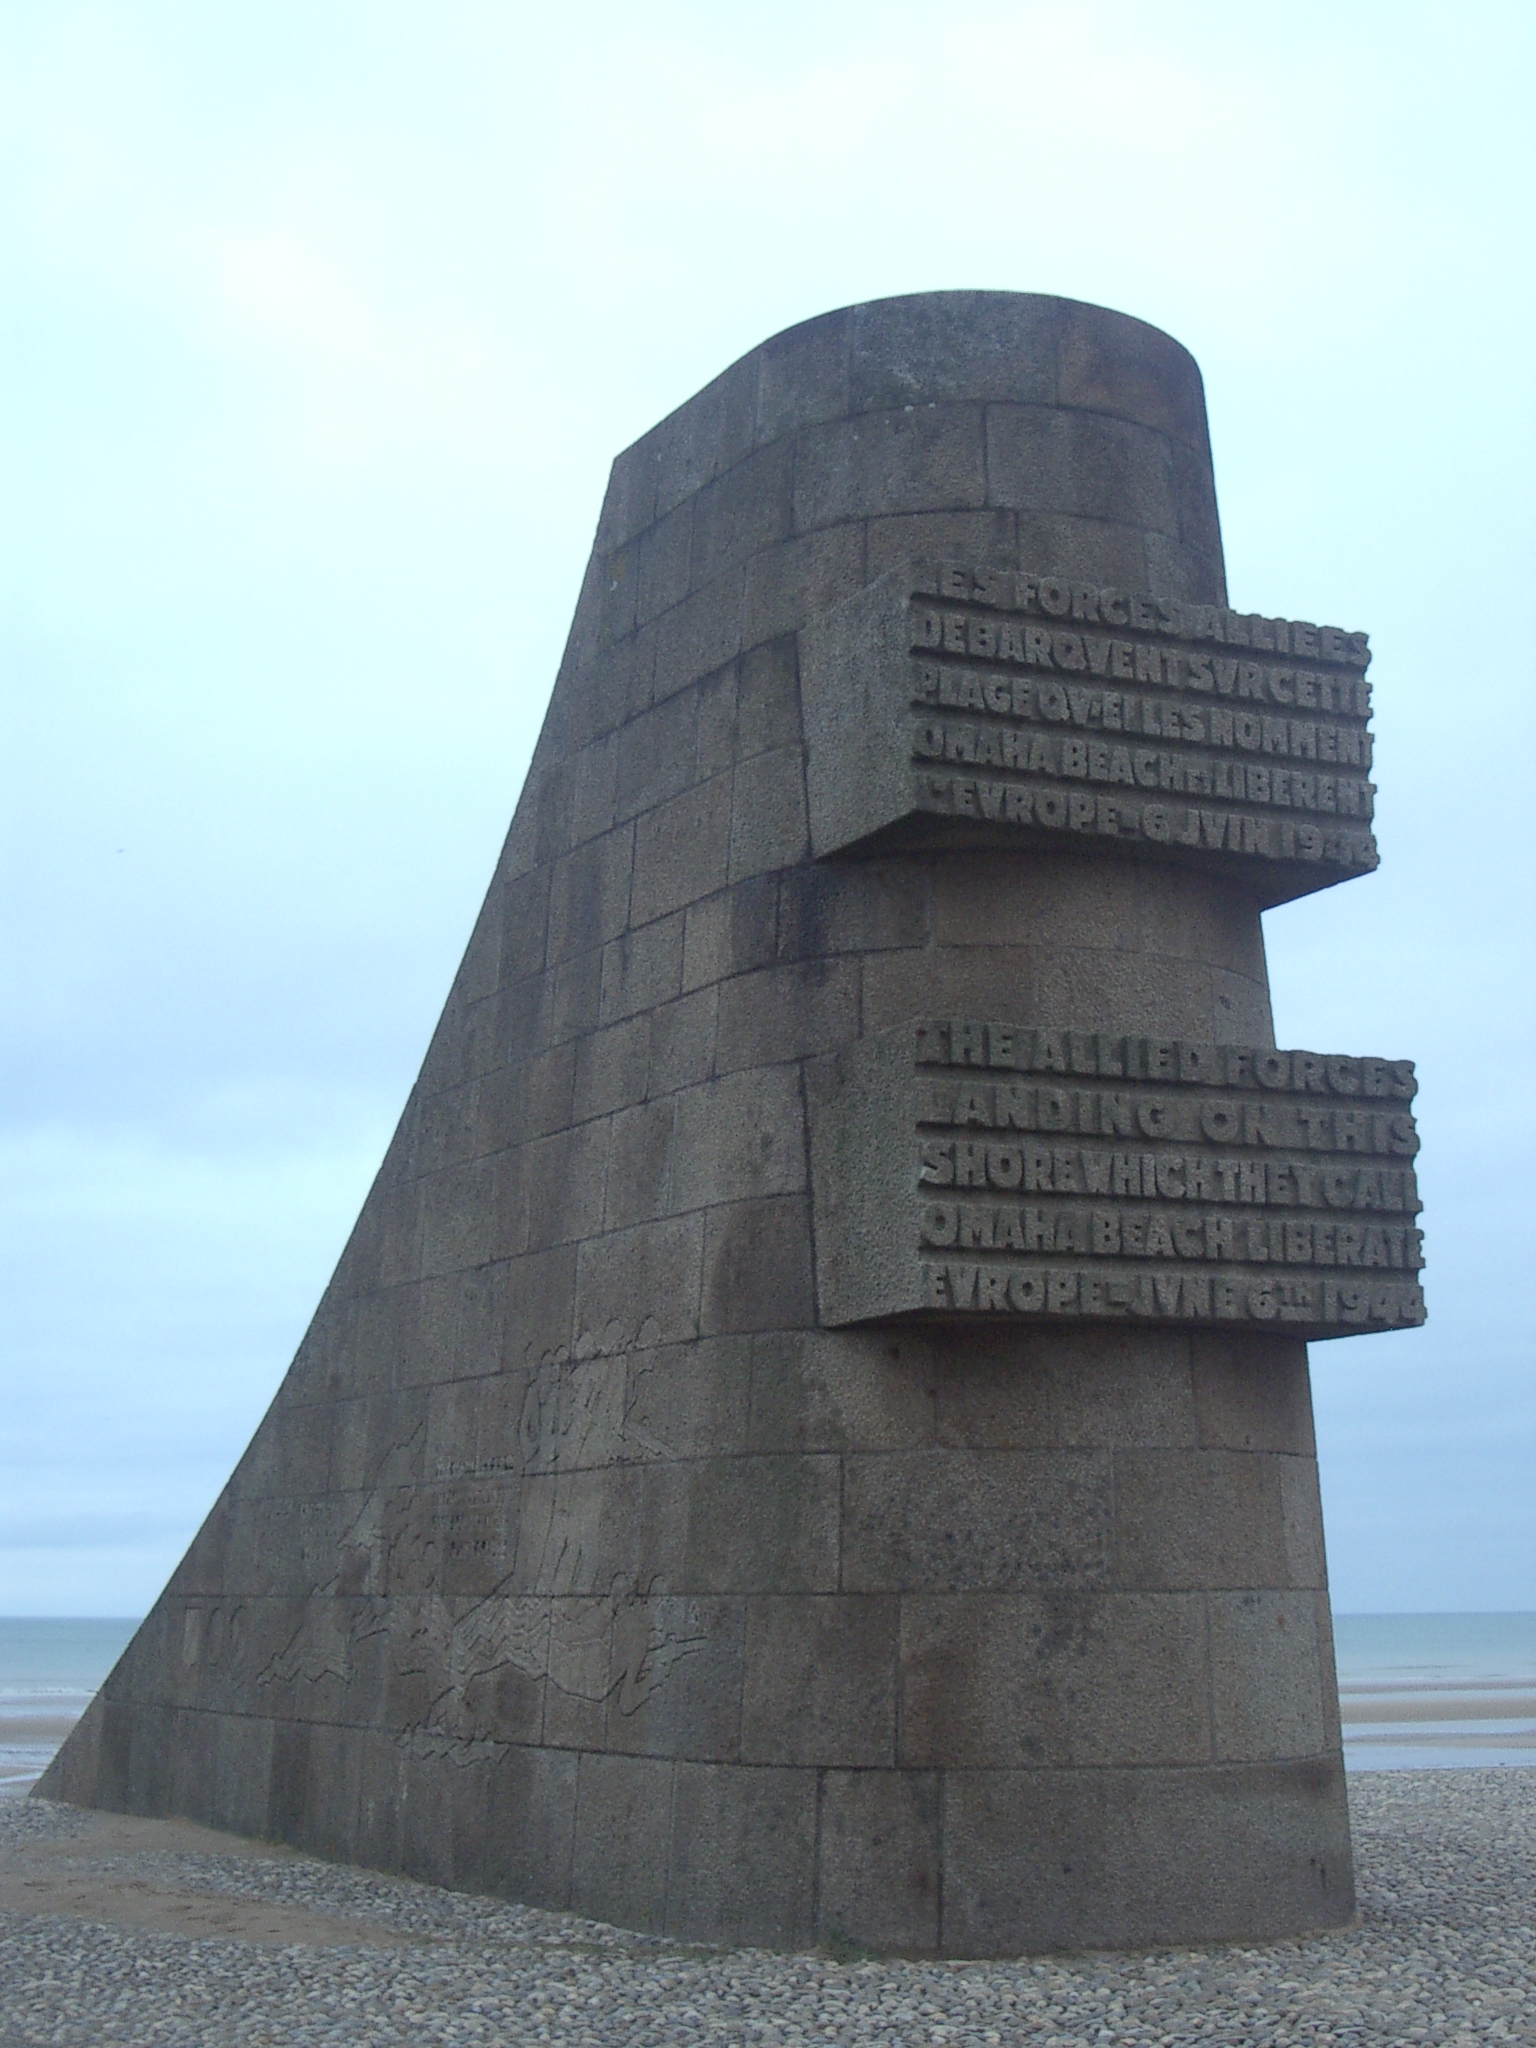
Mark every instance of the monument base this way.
pixel 1052 1669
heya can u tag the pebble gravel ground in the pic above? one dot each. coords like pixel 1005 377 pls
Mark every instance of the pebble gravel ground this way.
pixel 1445 1952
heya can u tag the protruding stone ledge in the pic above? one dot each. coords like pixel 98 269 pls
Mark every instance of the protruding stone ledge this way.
pixel 971 1169
pixel 950 703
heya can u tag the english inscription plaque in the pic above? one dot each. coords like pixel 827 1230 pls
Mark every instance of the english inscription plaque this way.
pixel 953 702
pixel 965 1168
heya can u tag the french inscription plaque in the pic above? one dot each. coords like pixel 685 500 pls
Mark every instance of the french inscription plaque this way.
pixel 965 1168
pixel 949 701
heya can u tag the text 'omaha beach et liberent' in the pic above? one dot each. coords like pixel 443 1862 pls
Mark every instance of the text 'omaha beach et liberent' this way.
pixel 1266 714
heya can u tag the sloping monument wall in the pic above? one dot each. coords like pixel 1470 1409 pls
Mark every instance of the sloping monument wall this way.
pixel 745 1478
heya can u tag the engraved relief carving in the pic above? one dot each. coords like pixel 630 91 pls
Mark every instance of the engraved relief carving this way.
pixel 579 1409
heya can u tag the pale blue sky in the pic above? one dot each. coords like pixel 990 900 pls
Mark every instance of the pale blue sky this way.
pixel 320 326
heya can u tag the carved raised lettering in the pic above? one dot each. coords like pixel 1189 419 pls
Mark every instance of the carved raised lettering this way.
pixel 1043 706
pixel 1156 1178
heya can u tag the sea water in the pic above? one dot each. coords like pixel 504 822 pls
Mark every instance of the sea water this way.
pixel 1432 1691
pixel 48 1673
pixel 1417 1691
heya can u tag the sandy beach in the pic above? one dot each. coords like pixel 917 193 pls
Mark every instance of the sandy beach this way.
pixel 1455 1704
pixel 156 1934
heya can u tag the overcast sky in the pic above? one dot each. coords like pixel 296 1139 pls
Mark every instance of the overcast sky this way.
pixel 320 326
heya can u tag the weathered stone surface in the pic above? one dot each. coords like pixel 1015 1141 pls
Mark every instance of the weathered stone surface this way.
pixel 579 1558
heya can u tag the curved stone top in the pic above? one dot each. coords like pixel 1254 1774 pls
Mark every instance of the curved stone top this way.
pixel 997 428
pixel 1128 442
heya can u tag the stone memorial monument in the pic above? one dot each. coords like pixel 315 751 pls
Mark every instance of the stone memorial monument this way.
pixel 810 1436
